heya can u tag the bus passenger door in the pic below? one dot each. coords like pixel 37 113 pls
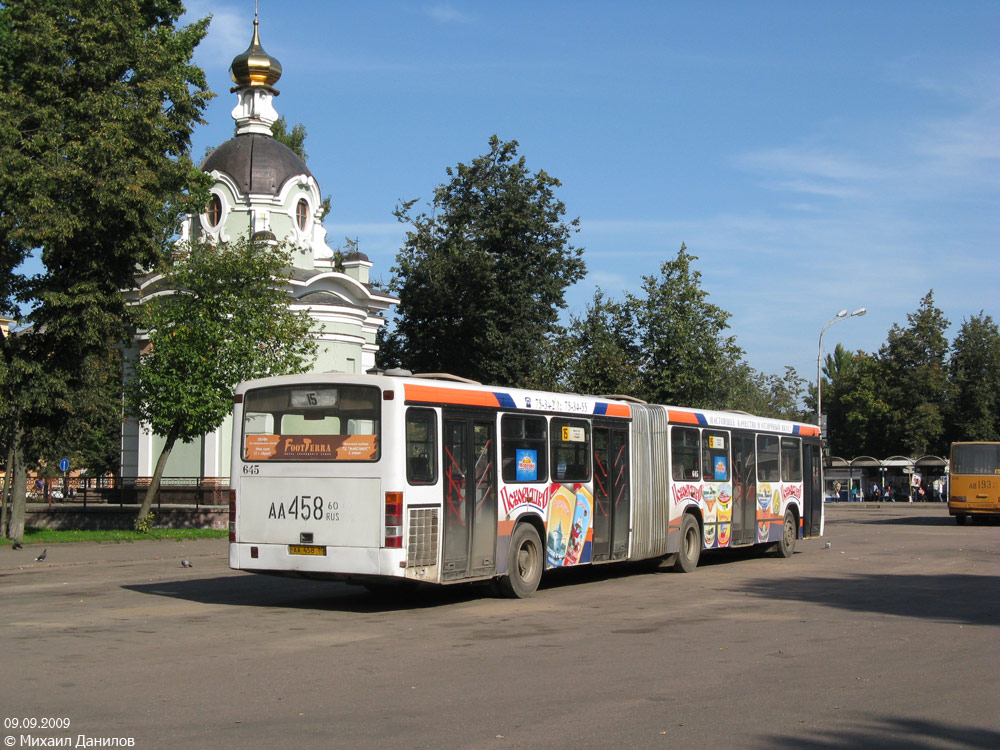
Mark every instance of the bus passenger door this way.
pixel 470 499
pixel 813 488
pixel 744 490
pixel 611 494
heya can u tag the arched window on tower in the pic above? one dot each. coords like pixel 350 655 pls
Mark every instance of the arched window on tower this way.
pixel 302 213
pixel 214 211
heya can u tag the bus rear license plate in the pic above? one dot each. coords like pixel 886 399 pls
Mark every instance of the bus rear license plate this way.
pixel 306 549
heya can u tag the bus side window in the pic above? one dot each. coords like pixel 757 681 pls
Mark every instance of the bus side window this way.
pixel 421 446
pixel 570 440
pixel 767 459
pixel 523 448
pixel 715 456
pixel 791 460
pixel 685 454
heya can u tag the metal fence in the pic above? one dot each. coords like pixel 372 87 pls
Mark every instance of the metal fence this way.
pixel 191 491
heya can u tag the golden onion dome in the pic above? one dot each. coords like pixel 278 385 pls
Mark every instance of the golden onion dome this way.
pixel 255 67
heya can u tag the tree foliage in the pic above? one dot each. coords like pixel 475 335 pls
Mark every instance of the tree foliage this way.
pixel 855 405
pixel 99 99
pixel 974 379
pixel 71 407
pixel 917 394
pixel 605 355
pixel 101 103
pixel 218 316
pixel 767 395
pixel 295 138
pixel 669 345
pixel 685 355
pixel 481 277
pixel 914 378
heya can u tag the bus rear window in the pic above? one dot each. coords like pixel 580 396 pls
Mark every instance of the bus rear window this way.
pixel 970 458
pixel 312 423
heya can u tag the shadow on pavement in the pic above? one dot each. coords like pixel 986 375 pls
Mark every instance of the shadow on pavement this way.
pixel 906 521
pixel 965 599
pixel 292 593
pixel 893 734
pixel 277 591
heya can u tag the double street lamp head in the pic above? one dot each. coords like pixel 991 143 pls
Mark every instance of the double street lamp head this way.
pixel 844 314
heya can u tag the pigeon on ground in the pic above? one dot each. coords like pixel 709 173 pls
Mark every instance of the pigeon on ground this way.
pixel 17 545
pixel 186 563
pixel 41 557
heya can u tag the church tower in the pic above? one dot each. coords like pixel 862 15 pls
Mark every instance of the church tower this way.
pixel 263 189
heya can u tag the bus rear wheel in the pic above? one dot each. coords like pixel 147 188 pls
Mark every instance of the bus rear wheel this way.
pixel 524 563
pixel 690 551
pixel 786 545
pixel 960 519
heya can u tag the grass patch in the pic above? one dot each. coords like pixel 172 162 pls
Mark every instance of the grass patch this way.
pixel 33 535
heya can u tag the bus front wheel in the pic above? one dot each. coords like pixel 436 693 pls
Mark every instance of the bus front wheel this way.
pixel 690 551
pixel 524 563
pixel 960 519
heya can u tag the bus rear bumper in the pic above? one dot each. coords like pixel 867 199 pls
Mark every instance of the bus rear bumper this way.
pixel 973 507
pixel 345 561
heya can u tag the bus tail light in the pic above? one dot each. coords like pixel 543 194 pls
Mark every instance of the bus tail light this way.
pixel 394 519
pixel 232 515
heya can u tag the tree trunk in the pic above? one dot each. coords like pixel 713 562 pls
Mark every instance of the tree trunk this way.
pixel 6 488
pixel 154 483
pixel 19 489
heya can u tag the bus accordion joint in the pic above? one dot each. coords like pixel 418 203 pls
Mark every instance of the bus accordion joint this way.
pixel 232 515
pixel 394 520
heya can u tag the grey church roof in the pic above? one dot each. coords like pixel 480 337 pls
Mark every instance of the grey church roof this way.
pixel 257 163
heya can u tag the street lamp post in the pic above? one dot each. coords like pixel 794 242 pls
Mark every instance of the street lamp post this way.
pixel 842 315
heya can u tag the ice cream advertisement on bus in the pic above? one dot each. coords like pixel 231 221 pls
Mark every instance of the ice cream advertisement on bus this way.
pixel 569 526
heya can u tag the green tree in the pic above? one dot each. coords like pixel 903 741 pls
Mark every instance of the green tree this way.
pixel 604 356
pixel 685 356
pixel 776 396
pixel 99 99
pixel 95 160
pixel 974 381
pixel 856 410
pixel 6 46
pixel 668 346
pixel 837 364
pixel 73 406
pixel 295 138
pixel 219 315
pixel 914 380
pixel 482 277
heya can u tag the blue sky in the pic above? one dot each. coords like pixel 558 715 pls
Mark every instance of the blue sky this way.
pixel 814 156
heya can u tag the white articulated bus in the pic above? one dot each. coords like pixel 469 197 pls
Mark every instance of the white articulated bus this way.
pixel 380 479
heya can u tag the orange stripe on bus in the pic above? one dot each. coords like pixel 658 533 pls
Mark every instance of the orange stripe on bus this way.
pixel 505 528
pixel 618 410
pixel 684 417
pixel 432 395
